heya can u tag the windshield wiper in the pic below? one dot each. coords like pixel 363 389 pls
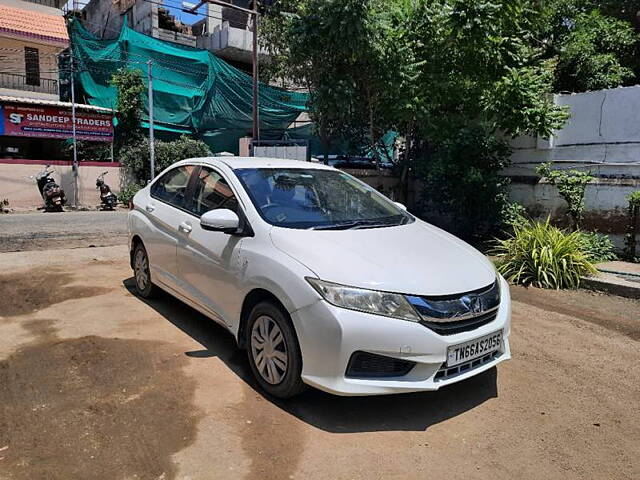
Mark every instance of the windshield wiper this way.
pixel 373 225
pixel 354 225
pixel 335 226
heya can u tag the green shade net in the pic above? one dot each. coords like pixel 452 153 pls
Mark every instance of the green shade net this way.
pixel 194 91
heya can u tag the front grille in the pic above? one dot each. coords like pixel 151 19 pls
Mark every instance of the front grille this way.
pixel 445 373
pixel 369 365
pixel 451 328
pixel 451 314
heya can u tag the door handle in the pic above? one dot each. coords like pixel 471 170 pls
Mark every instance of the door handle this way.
pixel 149 208
pixel 184 227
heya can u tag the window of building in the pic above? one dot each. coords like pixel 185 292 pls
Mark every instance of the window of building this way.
pixel 32 66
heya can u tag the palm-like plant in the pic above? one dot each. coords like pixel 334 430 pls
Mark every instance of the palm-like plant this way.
pixel 539 254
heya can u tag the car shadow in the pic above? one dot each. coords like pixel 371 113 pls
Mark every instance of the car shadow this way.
pixel 410 411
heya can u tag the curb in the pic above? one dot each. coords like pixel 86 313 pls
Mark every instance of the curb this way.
pixel 613 284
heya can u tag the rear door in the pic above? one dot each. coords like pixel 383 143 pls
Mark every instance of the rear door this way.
pixel 166 209
pixel 208 261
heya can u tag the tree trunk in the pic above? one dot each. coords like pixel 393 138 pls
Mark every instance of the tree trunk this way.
pixel 374 141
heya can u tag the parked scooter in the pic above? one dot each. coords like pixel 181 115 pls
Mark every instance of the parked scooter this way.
pixel 52 194
pixel 108 199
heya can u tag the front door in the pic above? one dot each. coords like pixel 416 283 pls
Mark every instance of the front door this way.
pixel 208 261
pixel 165 208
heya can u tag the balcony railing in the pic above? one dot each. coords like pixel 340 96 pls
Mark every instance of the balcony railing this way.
pixel 15 81
pixel 48 3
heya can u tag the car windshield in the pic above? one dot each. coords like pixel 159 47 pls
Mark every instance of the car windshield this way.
pixel 318 199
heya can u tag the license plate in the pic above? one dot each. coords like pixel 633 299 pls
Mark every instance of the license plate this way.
pixel 477 348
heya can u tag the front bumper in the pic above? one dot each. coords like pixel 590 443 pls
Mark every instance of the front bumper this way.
pixel 329 335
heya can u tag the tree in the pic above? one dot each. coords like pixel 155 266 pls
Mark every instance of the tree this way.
pixel 431 70
pixel 434 66
pixel 593 42
pixel 349 55
pixel 463 181
pixel 597 53
pixel 129 105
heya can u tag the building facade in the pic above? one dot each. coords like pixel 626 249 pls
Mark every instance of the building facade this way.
pixel 35 126
pixel 32 35
pixel 222 30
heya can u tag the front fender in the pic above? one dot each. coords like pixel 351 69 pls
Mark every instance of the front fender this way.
pixel 277 273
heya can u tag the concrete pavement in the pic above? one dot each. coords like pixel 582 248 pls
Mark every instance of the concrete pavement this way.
pixel 97 383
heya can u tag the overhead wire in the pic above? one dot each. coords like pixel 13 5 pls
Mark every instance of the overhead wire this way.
pixel 241 25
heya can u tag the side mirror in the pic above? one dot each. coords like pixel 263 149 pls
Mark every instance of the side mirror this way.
pixel 220 220
pixel 400 205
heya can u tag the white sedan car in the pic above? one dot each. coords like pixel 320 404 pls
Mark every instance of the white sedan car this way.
pixel 324 281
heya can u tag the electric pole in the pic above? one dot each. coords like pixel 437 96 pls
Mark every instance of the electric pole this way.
pixel 256 115
pixel 73 130
pixel 253 13
pixel 152 151
pixel 76 196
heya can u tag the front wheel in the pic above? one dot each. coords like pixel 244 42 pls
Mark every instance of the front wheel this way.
pixel 273 351
pixel 142 273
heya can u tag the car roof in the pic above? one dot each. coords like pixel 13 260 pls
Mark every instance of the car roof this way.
pixel 260 162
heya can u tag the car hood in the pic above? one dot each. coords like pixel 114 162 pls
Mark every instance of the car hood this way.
pixel 417 258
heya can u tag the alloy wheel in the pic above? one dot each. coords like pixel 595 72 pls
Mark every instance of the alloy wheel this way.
pixel 141 269
pixel 269 350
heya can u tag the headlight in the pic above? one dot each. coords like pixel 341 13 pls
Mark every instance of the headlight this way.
pixel 363 300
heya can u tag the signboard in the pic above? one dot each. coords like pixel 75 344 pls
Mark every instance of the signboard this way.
pixel 41 121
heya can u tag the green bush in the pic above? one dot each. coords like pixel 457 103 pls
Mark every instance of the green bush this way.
pixel 127 193
pixel 598 247
pixel 634 198
pixel 632 227
pixel 135 157
pixel 571 185
pixel 539 254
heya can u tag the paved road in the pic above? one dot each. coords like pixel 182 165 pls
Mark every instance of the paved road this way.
pixel 38 231
pixel 96 383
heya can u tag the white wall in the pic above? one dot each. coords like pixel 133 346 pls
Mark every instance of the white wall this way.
pixel 22 191
pixel 603 137
pixel 603 134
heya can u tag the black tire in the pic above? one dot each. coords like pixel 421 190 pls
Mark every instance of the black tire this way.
pixel 142 273
pixel 290 383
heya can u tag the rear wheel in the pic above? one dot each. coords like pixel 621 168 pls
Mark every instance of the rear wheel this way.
pixel 273 351
pixel 142 272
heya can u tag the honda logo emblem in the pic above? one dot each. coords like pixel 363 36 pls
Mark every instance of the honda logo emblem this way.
pixel 474 303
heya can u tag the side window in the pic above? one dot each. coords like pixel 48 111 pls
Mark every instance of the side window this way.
pixel 172 186
pixel 211 192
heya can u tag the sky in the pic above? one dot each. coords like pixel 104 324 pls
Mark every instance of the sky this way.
pixel 172 6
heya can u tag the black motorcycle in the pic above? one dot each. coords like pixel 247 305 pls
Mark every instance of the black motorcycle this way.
pixel 52 194
pixel 108 199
